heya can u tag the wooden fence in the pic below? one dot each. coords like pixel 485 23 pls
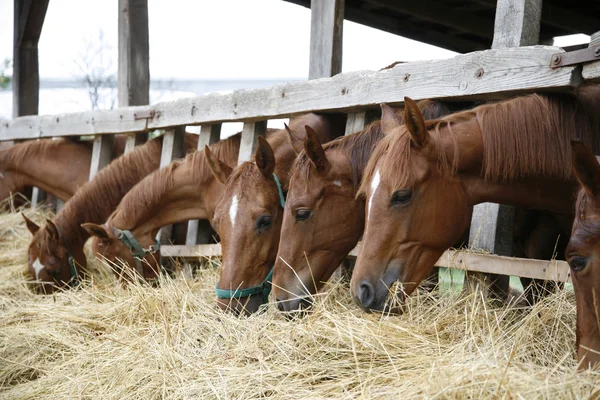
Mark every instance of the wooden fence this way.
pixel 485 75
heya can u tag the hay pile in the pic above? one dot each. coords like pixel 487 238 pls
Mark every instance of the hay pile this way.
pixel 104 341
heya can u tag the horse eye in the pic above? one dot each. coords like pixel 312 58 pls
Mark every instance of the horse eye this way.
pixel 263 222
pixel 401 197
pixel 302 215
pixel 577 263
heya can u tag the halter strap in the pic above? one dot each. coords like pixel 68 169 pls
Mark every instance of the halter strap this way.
pixel 265 286
pixel 74 275
pixel 134 246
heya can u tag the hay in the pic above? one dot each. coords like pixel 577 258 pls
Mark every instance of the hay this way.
pixel 104 341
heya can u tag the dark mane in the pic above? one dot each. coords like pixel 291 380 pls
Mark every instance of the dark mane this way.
pixel 522 137
pixel 139 203
pixel 95 201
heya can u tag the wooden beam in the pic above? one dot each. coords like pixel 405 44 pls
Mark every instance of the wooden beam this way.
pixel 591 71
pixel 134 60
pixel 485 75
pixel 250 133
pixel 517 23
pixel 466 260
pixel 326 31
pixel 442 14
pixel 200 231
pixel 28 18
pixel 37 196
pixel 101 153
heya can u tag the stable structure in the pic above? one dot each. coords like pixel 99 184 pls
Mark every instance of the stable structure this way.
pixel 511 66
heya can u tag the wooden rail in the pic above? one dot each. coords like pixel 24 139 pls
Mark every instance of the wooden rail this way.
pixel 461 259
pixel 483 75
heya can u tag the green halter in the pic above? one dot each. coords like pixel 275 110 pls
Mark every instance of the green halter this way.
pixel 265 286
pixel 74 276
pixel 134 246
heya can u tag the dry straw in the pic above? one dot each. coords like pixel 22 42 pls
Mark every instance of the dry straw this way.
pixel 104 341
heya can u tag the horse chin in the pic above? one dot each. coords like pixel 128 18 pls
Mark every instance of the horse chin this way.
pixel 244 306
pixel 298 307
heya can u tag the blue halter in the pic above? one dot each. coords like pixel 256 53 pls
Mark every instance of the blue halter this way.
pixel 265 286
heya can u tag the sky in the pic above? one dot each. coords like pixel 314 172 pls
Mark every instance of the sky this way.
pixel 201 39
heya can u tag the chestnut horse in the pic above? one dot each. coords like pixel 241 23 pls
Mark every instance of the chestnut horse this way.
pixel 423 179
pixel 58 167
pixel 183 190
pixel 583 253
pixel 249 215
pixel 55 255
pixel 323 220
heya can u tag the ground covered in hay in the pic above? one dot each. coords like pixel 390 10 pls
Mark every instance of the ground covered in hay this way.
pixel 104 341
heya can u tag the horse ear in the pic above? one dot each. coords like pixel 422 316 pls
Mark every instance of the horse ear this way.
pixel 586 168
pixel 414 122
pixel 96 230
pixel 314 151
pixel 219 169
pixel 389 119
pixel 295 141
pixel 264 157
pixel 52 230
pixel 32 226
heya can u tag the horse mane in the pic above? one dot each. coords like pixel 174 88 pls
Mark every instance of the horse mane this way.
pixel 358 147
pixel 17 154
pixel 95 200
pixel 141 201
pixel 522 137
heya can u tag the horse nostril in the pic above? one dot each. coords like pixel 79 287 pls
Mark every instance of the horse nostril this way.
pixel 305 304
pixel 366 294
pixel 280 306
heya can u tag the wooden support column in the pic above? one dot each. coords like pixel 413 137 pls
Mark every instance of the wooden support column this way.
pixel 591 71
pixel 101 153
pixel 250 133
pixel 199 230
pixel 517 24
pixel 28 19
pixel 134 56
pixel 326 32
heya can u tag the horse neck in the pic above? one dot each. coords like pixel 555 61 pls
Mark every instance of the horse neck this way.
pixel 59 170
pixel 192 192
pixel 553 193
pixel 96 200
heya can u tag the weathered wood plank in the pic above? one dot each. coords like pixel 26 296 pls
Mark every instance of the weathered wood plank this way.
pixel 250 133
pixel 326 35
pixel 134 53
pixel 517 23
pixel 199 231
pixel 355 122
pixel 591 71
pixel 37 196
pixel 466 260
pixel 489 74
pixel 101 153
pixel 135 139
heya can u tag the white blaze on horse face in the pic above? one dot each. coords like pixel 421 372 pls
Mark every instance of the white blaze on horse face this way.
pixel 337 183
pixel 374 185
pixel 37 266
pixel 233 209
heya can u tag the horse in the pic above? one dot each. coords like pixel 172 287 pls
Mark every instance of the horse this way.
pixel 582 255
pixel 324 220
pixel 181 191
pixel 424 177
pixel 55 255
pixel 59 167
pixel 248 217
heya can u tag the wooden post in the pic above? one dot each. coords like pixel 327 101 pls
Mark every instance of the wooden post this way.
pixel 134 56
pixel 591 71
pixel 355 122
pixel 326 32
pixel 28 18
pixel 250 133
pixel 199 230
pixel 101 153
pixel 517 24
